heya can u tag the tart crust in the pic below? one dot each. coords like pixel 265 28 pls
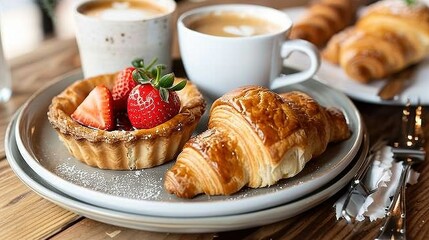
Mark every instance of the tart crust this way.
pixel 119 149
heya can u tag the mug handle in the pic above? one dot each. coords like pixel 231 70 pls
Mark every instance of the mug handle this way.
pixel 302 46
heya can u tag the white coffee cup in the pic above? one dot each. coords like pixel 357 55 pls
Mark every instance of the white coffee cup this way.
pixel 110 34
pixel 218 64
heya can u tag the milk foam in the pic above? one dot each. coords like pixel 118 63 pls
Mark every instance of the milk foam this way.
pixel 242 30
pixel 123 12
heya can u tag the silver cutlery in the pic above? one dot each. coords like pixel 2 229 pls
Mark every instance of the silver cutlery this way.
pixel 397 83
pixel 357 186
pixel 409 150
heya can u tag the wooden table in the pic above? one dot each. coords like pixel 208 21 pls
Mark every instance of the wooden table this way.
pixel 26 215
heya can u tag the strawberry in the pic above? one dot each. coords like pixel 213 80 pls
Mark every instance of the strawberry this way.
pixel 96 110
pixel 121 89
pixel 154 101
pixel 146 109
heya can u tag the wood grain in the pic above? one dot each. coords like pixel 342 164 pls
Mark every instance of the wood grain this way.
pixel 24 214
pixel 90 229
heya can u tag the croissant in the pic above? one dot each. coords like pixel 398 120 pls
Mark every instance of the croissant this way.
pixel 255 137
pixel 323 19
pixel 387 38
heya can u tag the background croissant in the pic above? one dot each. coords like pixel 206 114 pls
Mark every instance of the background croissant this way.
pixel 323 19
pixel 255 137
pixel 387 38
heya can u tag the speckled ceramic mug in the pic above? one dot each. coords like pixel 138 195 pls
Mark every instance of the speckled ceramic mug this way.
pixel 110 34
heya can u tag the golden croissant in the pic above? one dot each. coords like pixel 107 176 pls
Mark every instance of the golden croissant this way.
pixel 255 137
pixel 323 19
pixel 387 38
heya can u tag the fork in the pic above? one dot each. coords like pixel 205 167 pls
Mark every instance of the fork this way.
pixel 409 150
pixel 357 186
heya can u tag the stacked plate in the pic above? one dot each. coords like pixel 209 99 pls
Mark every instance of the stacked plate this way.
pixel 136 199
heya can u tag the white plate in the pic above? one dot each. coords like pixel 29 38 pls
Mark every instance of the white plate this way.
pixel 334 76
pixel 174 224
pixel 142 191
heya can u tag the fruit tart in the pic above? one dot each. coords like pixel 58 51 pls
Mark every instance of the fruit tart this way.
pixel 137 118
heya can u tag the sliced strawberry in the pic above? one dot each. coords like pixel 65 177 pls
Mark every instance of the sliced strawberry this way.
pixel 146 109
pixel 96 110
pixel 121 89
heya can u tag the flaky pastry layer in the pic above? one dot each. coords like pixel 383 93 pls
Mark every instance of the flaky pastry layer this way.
pixel 388 37
pixel 255 137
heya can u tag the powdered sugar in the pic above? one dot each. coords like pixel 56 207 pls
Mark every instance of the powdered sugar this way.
pixel 130 184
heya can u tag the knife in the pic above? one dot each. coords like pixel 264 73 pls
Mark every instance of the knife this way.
pixel 397 83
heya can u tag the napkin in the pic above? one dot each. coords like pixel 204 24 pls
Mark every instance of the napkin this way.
pixel 382 179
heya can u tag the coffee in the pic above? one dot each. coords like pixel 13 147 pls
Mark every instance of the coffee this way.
pixel 122 10
pixel 111 33
pixel 232 24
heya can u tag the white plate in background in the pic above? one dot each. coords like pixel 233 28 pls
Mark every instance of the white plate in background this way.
pixel 334 76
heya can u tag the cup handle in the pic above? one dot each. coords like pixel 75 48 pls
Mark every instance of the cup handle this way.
pixel 302 46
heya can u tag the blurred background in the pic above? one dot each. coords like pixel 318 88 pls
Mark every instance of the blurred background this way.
pixel 25 24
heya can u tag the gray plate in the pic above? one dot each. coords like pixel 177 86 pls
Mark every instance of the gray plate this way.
pixel 142 192
pixel 175 224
